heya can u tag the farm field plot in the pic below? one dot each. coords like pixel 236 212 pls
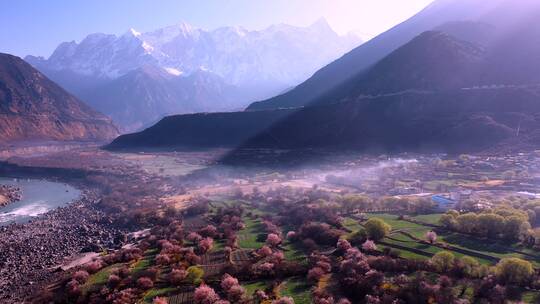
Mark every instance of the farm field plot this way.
pixel 240 256
pixel 495 250
pixel 249 237
pixel 182 298
pixel 428 218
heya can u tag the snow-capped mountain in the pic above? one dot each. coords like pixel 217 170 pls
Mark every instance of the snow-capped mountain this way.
pixel 281 53
pixel 258 63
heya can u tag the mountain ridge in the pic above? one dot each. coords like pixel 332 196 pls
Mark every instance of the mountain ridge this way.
pixel 240 66
pixel 358 60
pixel 32 107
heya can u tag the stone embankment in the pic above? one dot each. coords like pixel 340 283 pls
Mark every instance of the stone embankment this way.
pixel 32 252
pixel 9 194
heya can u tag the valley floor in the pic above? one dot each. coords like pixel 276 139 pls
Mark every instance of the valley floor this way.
pixel 133 191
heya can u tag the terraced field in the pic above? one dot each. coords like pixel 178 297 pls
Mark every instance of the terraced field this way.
pixel 478 248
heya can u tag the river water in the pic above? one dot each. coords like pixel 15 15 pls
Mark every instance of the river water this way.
pixel 38 197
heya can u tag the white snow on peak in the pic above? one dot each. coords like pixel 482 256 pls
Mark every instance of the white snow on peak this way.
pixel 185 27
pixel 173 71
pixel 282 53
pixel 134 32
pixel 147 47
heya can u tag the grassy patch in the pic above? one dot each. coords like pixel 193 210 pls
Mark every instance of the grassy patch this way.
pixel 351 224
pixel 417 230
pixel 156 292
pixel 248 238
pixel 297 289
pixel 252 287
pixel 218 245
pixel 99 278
pixel 530 297
pixel 141 265
pixel 428 218
pixel 485 247
pixel 293 252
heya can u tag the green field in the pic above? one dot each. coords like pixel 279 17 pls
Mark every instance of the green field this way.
pixel 428 218
pixel 297 289
pixel 156 292
pixel 99 278
pixel 253 286
pixel 417 230
pixel 351 224
pixel 293 252
pixel 248 237
pixel 493 249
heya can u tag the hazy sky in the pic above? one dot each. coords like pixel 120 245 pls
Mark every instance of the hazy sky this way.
pixel 37 27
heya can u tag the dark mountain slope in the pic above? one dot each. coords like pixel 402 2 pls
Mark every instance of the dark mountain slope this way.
pixel 361 58
pixel 461 120
pixel 432 61
pixel 34 107
pixel 202 130
pixel 453 121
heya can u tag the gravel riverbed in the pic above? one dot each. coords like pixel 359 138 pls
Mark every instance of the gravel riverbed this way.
pixel 30 253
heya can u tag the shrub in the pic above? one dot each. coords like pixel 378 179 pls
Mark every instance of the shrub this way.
pixel 158 300
pixel 315 274
pixel 163 259
pixel 113 280
pixel 273 240
pixel 94 266
pixel 205 245
pixel 376 228
pixel 73 288
pixel 145 283
pixel 194 237
pixel 195 274
pixel 291 235
pixel 228 281
pixel 205 295
pixel 265 251
pixel 176 276
pixel 343 245
pixel 431 236
pixel 514 270
pixel 369 245
pixel 443 261
pixel 81 276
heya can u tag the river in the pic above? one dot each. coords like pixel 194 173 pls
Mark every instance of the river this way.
pixel 38 197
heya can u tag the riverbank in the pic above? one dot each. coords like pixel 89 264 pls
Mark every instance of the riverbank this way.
pixel 9 194
pixel 32 252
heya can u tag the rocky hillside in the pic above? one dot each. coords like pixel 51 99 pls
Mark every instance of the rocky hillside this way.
pixel 32 107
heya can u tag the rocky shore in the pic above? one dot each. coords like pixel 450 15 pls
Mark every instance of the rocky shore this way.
pixel 31 253
pixel 9 194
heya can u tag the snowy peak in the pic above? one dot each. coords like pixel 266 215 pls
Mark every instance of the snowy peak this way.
pixel 321 25
pixel 281 54
pixel 134 32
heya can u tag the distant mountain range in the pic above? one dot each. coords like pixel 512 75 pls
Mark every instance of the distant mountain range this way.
pixel 32 107
pixel 137 78
pixel 460 85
